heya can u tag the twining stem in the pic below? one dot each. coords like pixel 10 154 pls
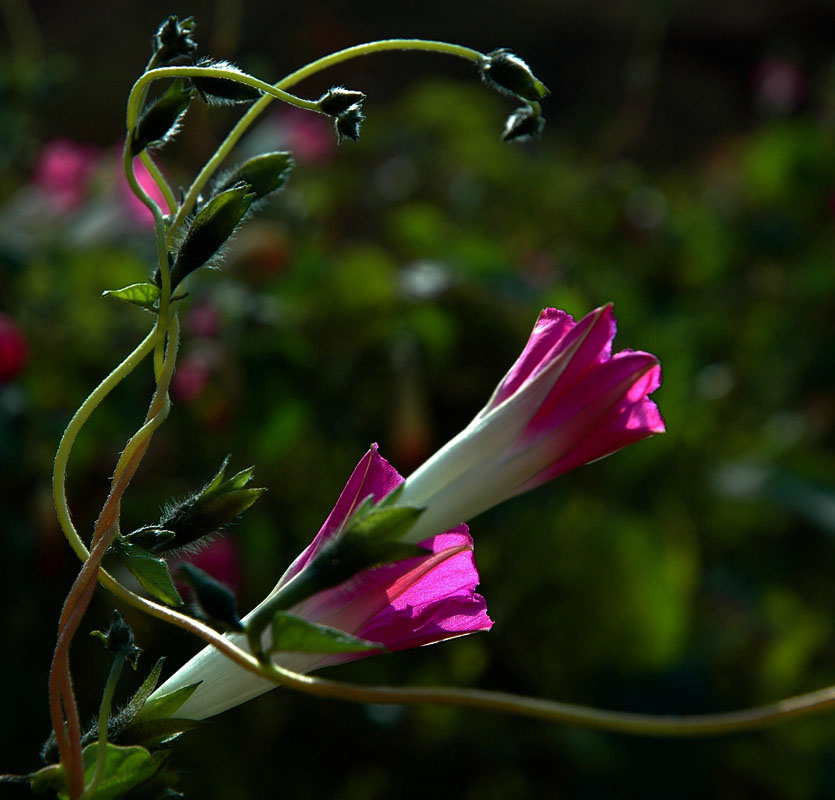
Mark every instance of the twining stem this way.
pixel 158 178
pixel 104 717
pixel 243 124
pixel 61 697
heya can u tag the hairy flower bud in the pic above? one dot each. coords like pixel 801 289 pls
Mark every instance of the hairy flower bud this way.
pixel 174 41
pixel 216 601
pixel 508 74
pixel 118 639
pixel 265 173
pixel 160 121
pixel 223 91
pixel 211 228
pixel 338 99
pixel 523 124
pixel 348 124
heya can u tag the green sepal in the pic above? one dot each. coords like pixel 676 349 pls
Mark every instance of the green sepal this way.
pixel 165 705
pixel 215 600
pixel 298 635
pixel 125 768
pixel 160 120
pixel 155 732
pixel 504 71
pixel 223 91
pixel 265 173
pixel 210 229
pixel 144 295
pixel 146 689
pixel 151 572
pixel 348 124
pixel 524 123
pixel 152 538
pixel 49 777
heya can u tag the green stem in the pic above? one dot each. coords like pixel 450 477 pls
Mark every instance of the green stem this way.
pixel 292 79
pixel 104 717
pixel 160 181
pixel 59 472
pixel 137 92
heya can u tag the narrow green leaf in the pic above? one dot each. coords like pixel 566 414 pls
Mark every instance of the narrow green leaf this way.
pixel 165 705
pixel 238 481
pixel 143 295
pixel 150 571
pixel 298 635
pixel 214 484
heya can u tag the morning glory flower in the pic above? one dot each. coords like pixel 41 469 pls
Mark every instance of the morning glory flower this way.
pixel 401 605
pixel 566 401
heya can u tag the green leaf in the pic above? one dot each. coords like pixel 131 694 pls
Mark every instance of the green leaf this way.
pixel 46 778
pixel 143 295
pixel 238 481
pixel 139 697
pixel 125 768
pixel 265 173
pixel 161 119
pixel 150 571
pixel 214 484
pixel 165 705
pixel 154 732
pixel 298 635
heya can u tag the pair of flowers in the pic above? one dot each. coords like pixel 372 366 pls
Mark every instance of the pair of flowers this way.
pixel 566 401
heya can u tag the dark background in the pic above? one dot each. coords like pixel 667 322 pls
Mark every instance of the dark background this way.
pixel 382 296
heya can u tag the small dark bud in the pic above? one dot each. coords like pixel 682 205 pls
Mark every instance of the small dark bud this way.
pixel 216 601
pixel 348 124
pixel 523 124
pixel 339 99
pixel 210 229
pixel 174 41
pixel 160 121
pixel 219 503
pixel 223 91
pixel 508 74
pixel 118 639
pixel 264 174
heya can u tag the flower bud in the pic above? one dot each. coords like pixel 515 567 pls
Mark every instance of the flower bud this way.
pixel 523 124
pixel 338 99
pixel 216 601
pixel 173 41
pixel 223 91
pixel 118 639
pixel 348 124
pixel 264 174
pixel 160 121
pixel 508 74
pixel 211 228
pixel 208 511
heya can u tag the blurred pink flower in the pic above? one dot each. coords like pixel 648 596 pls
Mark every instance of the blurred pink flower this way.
pixel 565 402
pixel 780 85
pixel 407 604
pixel 62 170
pixel 137 210
pixel 220 559
pixel 309 137
pixel 13 349
pixel 190 378
pixel 203 320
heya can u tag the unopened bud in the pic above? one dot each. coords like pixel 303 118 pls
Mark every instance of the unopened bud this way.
pixel 223 91
pixel 160 120
pixel 507 73
pixel 348 124
pixel 264 174
pixel 523 124
pixel 210 229
pixel 174 41
pixel 118 639
pixel 339 99
pixel 216 601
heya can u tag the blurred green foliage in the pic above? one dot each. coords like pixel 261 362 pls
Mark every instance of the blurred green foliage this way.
pixel 380 297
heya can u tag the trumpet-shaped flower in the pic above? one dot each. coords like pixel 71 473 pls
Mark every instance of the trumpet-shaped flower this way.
pixel 401 605
pixel 566 401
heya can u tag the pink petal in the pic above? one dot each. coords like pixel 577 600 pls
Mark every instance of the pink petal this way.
pixel 373 476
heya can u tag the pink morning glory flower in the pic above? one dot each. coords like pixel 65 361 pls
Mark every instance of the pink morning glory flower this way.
pixel 406 604
pixel 566 401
